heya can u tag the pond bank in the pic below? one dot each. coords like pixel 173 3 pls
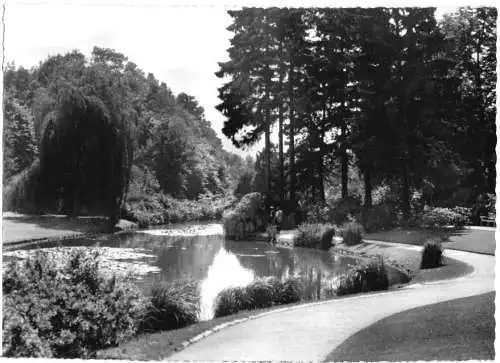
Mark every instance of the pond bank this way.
pixel 328 324
pixel 22 228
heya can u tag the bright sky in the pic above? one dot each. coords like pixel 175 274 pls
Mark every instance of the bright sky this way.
pixel 180 45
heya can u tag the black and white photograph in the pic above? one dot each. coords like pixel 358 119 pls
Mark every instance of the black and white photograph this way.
pixel 248 181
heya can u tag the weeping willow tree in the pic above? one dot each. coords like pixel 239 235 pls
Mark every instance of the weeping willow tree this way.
pixel 85 155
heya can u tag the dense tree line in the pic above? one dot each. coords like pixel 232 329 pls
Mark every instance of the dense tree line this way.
pixel 391 92
pixel 89 131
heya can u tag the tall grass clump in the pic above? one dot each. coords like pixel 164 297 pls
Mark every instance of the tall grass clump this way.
pixel 173 305
pixel 352 233
pixel 261 293
pixel 246 218
pixel 56 309
pixel 363 278
pixel 316 235
pixel 432 254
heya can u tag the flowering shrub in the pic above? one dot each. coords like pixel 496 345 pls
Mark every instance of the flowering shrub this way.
pixel 442 217
pixel 319 213
pixel 66 312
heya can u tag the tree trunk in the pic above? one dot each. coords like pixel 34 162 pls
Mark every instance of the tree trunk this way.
pixel 268 155
pixel 292 139
pixel 405 197
pixel 321 185
pixel 280 130
pixel 368 187
pixel 344 160
pixel 321 142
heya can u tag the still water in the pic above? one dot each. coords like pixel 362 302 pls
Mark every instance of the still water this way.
pixel 204 254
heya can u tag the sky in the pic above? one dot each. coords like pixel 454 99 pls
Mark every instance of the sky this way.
pixel 180 44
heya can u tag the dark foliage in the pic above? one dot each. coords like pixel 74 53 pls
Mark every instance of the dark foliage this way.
pixel 432 255
pixel 67 311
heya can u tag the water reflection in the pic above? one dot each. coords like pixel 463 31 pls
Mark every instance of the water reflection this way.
pixel 225 271
pixel 218 264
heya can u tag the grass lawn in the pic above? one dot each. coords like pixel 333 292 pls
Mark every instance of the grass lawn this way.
pixel 408 236
pixel 460 329
pixel 469 240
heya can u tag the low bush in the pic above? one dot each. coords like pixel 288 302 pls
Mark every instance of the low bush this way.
pixel 231 300
pixel 380 217
pixel 352 233
pixel 158 209
pixel 315 235
pixel 432 255
pixel 19 193
pixel 363 278
pixel 263 292
pixel 344 209
pixel 465 213
pixel 442 217
pixel 246 218
pixel 290 292
pixel 260 293
pixel 173 305
pixel 318 213
pixel 66 310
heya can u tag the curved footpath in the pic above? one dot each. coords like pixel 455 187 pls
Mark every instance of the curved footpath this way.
pixel 312 331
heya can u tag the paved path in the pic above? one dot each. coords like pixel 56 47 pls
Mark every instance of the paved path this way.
pixel 311 332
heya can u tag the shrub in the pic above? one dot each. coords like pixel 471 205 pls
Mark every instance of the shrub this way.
pixel 345 208
pixel 318 213
pixel 314 236
pixel 231 300
pixel 261 293
pixel 378 218
pixel 157 209
pixel 352 233
pixel 442 217
pixel 290 292
pixel 66 310
pixel 432 255
pixel 19 193
pixel 173 305
pixel 465 213
pixel 363 278
pixel 246 218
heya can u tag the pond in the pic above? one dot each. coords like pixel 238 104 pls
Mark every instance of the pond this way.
pixel 202 253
